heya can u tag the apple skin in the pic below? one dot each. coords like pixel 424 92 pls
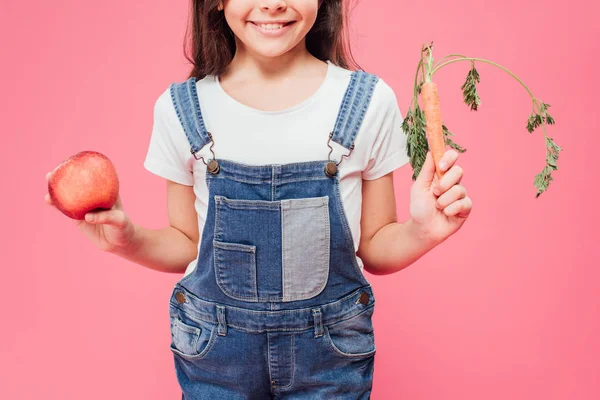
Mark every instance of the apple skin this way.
pixel 86 181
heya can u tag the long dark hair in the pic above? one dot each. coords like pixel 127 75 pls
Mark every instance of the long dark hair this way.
pixel 210 44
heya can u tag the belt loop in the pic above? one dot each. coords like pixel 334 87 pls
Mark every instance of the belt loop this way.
pixel 222 328
pixel 318 317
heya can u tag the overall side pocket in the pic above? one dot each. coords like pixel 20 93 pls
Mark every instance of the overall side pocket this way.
pixel 191 339
pixel 354 337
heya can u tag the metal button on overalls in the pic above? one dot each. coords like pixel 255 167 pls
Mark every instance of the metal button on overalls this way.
pixel 180 297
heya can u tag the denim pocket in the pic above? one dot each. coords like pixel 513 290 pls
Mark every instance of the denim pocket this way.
pixel 352 338
pixel 272 250
pixel 305 246
pixel 191 339
pixel 235 269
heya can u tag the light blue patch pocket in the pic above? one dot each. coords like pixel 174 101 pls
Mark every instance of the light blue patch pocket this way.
pixel 305 246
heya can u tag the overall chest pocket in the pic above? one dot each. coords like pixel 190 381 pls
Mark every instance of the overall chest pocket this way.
pixel 272 250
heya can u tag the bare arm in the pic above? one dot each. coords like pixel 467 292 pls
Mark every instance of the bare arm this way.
pixel 172 248
pixel 387 246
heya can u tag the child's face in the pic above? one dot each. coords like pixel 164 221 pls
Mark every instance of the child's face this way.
pixel 249 21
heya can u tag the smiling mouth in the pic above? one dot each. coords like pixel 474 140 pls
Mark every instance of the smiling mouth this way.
pixel 272 26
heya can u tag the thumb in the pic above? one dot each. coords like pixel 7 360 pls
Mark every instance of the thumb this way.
pixel 113 217
pixel 427 173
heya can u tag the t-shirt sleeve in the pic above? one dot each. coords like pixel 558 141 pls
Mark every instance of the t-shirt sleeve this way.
pixel 168 153
pixel 388 152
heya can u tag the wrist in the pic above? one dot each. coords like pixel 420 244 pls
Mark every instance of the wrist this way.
pixel 132 244
pixel 422 234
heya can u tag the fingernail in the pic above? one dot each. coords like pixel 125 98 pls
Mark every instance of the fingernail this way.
pixel 443 165
pixel 89 217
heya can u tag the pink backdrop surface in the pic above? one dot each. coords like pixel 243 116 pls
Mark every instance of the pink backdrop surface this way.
pixel 505 309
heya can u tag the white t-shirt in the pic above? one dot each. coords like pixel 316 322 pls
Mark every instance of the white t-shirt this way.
pixel 295 134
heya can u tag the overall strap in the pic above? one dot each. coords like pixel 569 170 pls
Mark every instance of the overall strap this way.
pixel 187 106
pixel 353 108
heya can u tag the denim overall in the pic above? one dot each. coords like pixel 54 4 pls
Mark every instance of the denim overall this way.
pixel 277 307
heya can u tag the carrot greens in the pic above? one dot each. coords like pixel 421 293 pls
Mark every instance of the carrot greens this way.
pixel 415 122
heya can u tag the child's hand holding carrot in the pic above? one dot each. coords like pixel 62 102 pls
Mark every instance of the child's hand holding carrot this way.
pixel 439 206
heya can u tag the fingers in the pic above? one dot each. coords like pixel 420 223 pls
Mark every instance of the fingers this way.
pixel 455 193
pixel 460 208
pixel 451 178
pixel 448 160
pixel 453 198
pixel 427 173
pixel 113 217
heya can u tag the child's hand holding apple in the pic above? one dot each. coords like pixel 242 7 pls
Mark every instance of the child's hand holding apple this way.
pixel 85 188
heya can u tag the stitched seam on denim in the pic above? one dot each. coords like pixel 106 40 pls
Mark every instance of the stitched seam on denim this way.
pixel 337 136
pixel 178 324
pixel 217 234
pixel 273 184
pixel 342 114
pixel 293 365
pixel 308 164
pixel 347 128
pixel 269 181
pixel 301 203
pixel 312 178
pixel 269 330
pixel 209 319
pixel 186 328
pixel 343 354
pixel 353 115
pixel 175 96
pixel 195 315
pixel 366 95
pixel 245 204
pixel 206 349
pixel 348 318
pixel 232 178
pixel 285 271
pixel 247 248
pixel 258 313
pixel 200 127
pixel 359 106
pixel 269 357
pixel 211 341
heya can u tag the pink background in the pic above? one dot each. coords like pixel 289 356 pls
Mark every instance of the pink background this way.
pixel 506 309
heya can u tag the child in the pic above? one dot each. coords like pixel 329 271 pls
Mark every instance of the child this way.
pixel 278 159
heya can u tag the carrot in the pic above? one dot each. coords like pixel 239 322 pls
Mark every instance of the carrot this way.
pixel 425 130
pixel 433 119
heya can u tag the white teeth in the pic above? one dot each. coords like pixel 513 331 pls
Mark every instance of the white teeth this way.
pixel 271 26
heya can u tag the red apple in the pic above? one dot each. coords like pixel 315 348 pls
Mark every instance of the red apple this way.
pixel 86 181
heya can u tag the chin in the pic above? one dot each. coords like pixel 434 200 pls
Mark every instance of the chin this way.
pixel 271 53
